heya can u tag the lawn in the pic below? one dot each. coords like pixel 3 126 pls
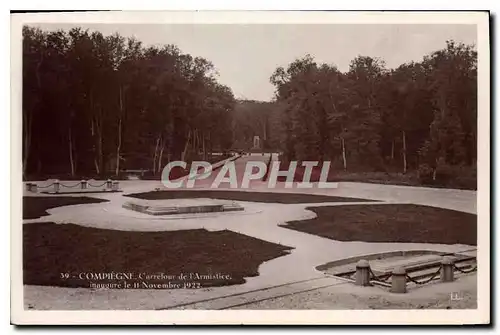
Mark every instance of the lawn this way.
pixel 50 250
pixel 390 223
pixel 268 197
pixel 35 207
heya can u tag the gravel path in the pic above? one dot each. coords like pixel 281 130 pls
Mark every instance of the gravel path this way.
pixel 259 220
pixel 461 294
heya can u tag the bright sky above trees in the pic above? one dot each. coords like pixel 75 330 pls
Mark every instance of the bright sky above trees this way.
pixel 246 55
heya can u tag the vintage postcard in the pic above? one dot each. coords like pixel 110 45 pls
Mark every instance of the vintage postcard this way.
pixel 314 168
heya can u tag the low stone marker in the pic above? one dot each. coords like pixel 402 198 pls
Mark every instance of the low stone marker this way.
pixel 447 265
pixel 83 184
pixel 56 186
pixel 398 284
pixel 363 273
pixel 115 185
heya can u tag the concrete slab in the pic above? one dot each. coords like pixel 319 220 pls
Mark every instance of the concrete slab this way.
pixel 182 206
pixel 387 265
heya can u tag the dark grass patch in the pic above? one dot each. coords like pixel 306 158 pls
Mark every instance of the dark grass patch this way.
pixel 35 207
pixel 390 223
pixel 268 197
pixel 50 249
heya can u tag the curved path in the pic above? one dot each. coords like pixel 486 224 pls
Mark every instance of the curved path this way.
pixel 259 220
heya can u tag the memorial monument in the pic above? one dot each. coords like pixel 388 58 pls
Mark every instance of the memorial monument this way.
pixel 256 142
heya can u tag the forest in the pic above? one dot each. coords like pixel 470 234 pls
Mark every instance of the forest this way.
pixel 96 105
pixel 417 120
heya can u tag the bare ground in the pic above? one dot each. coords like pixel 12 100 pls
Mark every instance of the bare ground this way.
pixel 460 294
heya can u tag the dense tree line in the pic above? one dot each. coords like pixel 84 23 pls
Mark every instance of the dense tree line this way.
pixel 95 104
pixel 421 116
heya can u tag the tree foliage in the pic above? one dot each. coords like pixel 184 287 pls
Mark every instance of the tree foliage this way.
pixel 95 104
pixel 421 115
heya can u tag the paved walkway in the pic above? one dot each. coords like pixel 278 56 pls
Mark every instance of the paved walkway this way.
pixel 259 220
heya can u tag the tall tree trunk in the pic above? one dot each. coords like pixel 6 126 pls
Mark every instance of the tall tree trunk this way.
pixel 265 129
pixel 93 131
pixel 404 151
pixel 28 125
pixel 198 143
pixel 186 146
pixel 99 146
pixel 96 165
pixel 344 160
pixel 70 147
pixel 209 149
pixel 119 146
pixel 155 154
pixel 434 172
pixel 392 149
pixel 100 141
pixel 195 142
pixel 162 147
pixel 204 152
pixel 75 158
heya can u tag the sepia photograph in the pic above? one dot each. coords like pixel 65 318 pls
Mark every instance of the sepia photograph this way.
pixel 250 168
